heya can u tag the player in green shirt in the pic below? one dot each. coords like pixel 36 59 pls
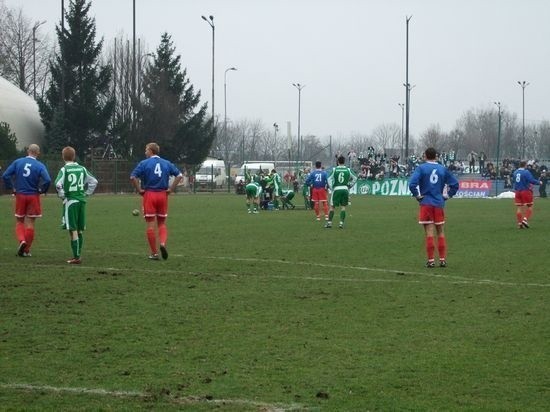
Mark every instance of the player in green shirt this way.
pixel 253 191
pixel 73 184
pixel 286 199
pixel 274 180
pixel 340 181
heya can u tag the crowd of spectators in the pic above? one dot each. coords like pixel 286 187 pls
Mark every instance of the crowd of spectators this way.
pixel 377 165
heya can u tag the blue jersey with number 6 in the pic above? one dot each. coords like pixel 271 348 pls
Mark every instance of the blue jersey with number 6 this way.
pixel 154 173
pixel 429 180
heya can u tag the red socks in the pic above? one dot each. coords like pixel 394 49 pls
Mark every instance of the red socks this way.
pixel 430 247
pixel 151 238
pixel 29 237
pixel 20 231
pixel 442 247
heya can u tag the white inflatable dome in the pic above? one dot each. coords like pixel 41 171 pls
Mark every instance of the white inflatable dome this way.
pixel 20 111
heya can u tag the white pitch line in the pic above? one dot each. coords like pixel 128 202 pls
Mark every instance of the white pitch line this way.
pixel 454 279
pixel 186 400
pixel 450 278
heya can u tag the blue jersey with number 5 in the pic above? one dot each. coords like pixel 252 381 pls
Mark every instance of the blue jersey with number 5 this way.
pixel 429 180
pixel 31 176
pixel 154 173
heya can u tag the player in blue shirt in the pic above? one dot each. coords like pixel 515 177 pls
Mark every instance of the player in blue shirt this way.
pixel 523 182
pixel 31 178
pixel 318 181
pixel 432 184
pixel 151 178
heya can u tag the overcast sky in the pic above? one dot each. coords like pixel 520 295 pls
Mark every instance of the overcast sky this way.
pixel 349 54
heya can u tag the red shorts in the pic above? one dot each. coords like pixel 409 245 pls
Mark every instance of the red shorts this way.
pixel 431 214
pixel 155 204
pixel 524 198
pixel 319 194
pixel 27 205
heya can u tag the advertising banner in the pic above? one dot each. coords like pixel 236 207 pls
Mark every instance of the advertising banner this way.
pixel 474 188
pixel 388 187
pixel 400 187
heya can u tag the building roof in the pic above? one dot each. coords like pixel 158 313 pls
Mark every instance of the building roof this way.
pixel 20 111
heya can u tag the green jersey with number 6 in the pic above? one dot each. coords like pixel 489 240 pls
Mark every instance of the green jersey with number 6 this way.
pixel 341 178
pixel 75 182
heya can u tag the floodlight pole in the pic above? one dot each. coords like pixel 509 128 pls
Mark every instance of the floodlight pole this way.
pixel 523 85
pixel 299 87
pixel 498 146
pixel 34 40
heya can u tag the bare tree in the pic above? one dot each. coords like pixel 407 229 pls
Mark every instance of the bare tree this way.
pixel 360 142
pixel 119 54
pixel 24 51
pixel 433 137
pixel 387 136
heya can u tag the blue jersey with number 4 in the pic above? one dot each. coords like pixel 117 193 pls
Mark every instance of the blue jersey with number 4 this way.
pixel 31 176
pixel 429 180
pixel 154 173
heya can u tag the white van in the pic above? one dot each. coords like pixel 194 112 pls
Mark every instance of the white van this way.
pixel 254 168
pixel 211 169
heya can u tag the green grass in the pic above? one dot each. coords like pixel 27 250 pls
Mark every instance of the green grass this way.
pixel 273 312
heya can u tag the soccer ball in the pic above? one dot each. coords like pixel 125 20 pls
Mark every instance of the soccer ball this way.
pixel 135 212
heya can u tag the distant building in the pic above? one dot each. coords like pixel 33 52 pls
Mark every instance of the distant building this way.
pixel 20 111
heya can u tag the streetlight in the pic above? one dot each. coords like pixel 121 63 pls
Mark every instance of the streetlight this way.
pixel 34 40
pixel 498 145
pixel 408 88
pixel 402 105
pixel 299 87
pixel 225 100
pixel 523 85
pixel 211 24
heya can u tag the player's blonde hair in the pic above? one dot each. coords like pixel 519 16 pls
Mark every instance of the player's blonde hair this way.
pixel 68 153
pixel 153 147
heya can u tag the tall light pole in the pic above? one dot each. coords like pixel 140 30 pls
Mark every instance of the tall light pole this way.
pixel 299 87
pixel 133 53
pixel 402 105
pixel 498 144
pixel 225 100
pixel 407 90
pixel 523 85
pixel 34 40
pixel 210 22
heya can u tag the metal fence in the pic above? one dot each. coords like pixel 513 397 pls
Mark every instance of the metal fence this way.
pixel 114 176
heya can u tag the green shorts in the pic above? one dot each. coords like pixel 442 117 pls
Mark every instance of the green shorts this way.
pixel 339 197
pixel 74 215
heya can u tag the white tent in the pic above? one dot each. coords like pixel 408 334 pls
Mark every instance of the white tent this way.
pixel 20 111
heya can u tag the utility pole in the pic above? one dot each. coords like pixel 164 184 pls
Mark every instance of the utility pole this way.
pixel 407 91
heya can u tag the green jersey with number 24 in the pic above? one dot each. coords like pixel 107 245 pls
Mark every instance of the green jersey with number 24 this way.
pixel 75 182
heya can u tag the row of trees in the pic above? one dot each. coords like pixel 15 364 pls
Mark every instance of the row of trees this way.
pixel 86 102
pixel 24 51
pixel 476 130
pixel 96 96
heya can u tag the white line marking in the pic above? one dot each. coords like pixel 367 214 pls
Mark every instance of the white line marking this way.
pixel 186 400
pixel 450 278
pixel 454 279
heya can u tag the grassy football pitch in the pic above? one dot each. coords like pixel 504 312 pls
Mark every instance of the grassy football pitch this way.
pixel 273 312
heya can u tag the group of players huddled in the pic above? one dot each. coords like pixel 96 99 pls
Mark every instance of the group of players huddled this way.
pixel 318 186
